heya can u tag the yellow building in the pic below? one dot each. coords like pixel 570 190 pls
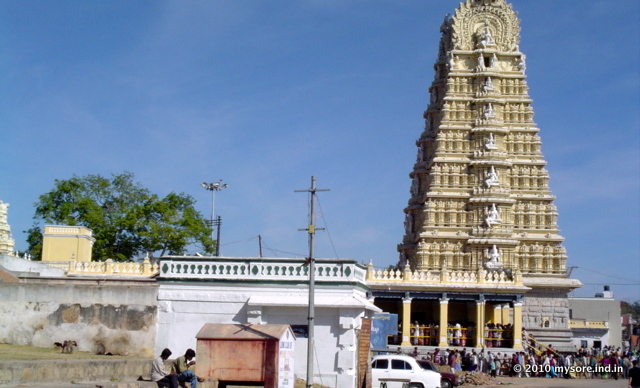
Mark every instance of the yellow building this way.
pixel 67 243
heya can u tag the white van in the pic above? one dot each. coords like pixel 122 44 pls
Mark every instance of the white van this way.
pixel 394 371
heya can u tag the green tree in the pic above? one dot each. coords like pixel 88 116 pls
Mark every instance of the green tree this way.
pixel 126 219
pixel 631 308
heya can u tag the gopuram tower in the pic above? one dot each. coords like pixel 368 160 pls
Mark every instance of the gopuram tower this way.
pixel 7 243
pixel 480 198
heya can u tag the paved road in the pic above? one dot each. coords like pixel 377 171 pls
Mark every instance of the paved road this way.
pixel 538 382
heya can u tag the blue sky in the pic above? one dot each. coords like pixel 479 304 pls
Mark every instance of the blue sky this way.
pixel 265 94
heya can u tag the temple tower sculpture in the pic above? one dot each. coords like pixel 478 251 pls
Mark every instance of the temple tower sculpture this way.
pixel 7 243
pixel 480 195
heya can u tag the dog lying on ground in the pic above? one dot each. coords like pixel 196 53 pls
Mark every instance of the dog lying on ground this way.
pixel 67 346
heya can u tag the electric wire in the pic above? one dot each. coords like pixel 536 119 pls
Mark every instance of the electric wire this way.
pixel 605 274
pixel 239 241
pixel 326 227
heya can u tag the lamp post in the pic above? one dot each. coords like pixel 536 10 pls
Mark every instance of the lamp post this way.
pixel 213 187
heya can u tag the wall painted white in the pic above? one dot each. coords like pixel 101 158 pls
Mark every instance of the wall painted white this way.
pixel 183 308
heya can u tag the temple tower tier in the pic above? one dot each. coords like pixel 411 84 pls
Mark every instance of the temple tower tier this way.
pixel 480 197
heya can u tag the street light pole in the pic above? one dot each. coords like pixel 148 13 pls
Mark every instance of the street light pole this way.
pixel 213 187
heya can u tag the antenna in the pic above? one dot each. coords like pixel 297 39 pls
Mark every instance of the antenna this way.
pixel 312 266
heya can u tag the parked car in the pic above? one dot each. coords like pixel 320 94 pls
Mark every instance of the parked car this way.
pixel 449 380
pixel 396 371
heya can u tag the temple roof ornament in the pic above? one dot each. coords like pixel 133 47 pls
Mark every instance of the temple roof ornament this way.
pixel 475 17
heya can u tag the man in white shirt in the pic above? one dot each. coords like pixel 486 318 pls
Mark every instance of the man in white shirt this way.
pixel 159 373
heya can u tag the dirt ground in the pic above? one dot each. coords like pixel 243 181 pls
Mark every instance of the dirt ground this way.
pixel 540 382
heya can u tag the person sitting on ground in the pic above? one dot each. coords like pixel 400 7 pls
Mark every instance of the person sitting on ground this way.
pixel 159 374
pixel 181 366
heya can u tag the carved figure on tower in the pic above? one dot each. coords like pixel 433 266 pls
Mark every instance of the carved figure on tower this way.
pixel 493 216
pixel 494 61
pixel 480 62
pixel 490 142
pixel 488 111
pixel 451 61
pixel 493 258
pixel 491 178
pixel 522 63
pixel 485 37
pixel 487 84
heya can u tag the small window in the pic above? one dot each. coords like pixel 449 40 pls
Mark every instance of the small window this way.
pixel 380 364
pixel 400 365
pixel 584 344
pixel 487 62
pixel 300 331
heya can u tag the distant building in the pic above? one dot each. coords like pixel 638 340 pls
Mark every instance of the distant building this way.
pixel 596 322
pixel 67 243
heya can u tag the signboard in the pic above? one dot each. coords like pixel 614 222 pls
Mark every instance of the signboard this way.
pixel 286 357
pixel 383 326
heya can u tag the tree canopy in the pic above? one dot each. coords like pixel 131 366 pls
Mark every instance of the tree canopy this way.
pixel 125 217
pixel 631 308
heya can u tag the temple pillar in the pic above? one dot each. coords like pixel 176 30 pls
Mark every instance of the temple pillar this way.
pixel 505 314
pixel 406 322
pixel 496 317
pixel 444 322
pixel 479 323
pixel 517 325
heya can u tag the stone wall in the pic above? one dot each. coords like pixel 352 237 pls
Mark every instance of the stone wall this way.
pixel 545 315
pixel 119 315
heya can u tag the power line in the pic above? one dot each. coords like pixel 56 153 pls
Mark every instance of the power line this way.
pixel 239 241
pixel 324 220
pixel 604 274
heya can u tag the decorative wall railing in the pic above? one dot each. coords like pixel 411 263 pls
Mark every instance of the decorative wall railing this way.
pixel 261 269
pixel 583 324
pixel 108 267
pixel 481 276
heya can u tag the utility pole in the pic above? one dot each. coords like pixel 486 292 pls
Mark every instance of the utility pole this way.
pixel 218 224
pixel 213 187
pixel 311 230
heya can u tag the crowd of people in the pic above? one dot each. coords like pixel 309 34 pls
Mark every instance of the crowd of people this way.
pixel 590 363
